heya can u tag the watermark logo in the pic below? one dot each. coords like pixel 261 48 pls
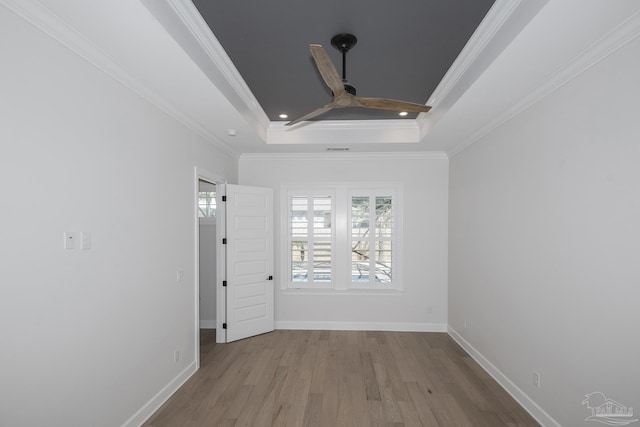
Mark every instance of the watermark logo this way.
pixel 607 411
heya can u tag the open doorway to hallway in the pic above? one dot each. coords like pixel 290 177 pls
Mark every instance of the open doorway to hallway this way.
pixel 207 263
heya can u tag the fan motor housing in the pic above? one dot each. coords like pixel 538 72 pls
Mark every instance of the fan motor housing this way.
pixel 348 87
pixel 344 42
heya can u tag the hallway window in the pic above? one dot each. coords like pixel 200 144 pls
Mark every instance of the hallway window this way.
pixel 206 204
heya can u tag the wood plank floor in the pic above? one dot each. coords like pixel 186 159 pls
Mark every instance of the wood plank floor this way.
pixel 339 378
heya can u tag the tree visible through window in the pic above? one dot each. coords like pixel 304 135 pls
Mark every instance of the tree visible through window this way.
pixel 371 239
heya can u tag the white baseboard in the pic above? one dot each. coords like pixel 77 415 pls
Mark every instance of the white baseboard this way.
pixel 363 326
pixel 520 396
pixel 162 396
pixel 207 324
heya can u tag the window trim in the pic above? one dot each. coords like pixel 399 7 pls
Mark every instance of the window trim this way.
pixel 341 237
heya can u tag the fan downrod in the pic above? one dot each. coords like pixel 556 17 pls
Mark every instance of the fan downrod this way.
pixel 343 42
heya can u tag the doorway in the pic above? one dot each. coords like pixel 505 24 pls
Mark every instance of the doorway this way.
pixel 207 235
pixel 245 248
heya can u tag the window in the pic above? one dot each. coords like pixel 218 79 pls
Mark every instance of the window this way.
pixel 206 204
pixel 342 236
pixel 310 238
pixel 371 235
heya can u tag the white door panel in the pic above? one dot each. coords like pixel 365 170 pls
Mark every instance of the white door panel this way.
pixel 249 261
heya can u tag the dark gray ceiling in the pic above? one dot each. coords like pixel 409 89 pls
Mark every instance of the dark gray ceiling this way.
pixel 404 48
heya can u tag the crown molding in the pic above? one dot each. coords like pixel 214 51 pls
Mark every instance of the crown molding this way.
pixel 417 155
pixel 237 91
pixel 615 39
pixel 348 124
pixel 38 15
pixel 343 132
pixel 495 19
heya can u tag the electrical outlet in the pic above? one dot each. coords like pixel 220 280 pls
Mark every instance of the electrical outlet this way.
pixel 536 379
pixel 179 276
pixel 176 356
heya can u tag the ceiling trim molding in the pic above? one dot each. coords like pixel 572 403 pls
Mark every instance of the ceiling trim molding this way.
pixel 345 132
pixel 349 124
pixel 495 19
pixel 418 155
pixel 41 17
pixel 615 39
pixel 244 100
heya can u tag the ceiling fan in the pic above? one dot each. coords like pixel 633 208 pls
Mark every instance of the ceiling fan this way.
pixel 344 94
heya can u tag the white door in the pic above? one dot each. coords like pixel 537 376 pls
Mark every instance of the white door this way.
pixel 249 247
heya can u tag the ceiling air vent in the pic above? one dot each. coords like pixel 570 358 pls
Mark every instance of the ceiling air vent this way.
pixel 338 149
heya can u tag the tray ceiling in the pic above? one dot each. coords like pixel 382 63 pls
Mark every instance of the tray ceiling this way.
pixel 404 48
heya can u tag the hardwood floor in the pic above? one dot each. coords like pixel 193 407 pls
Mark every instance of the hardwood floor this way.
pixel 339 378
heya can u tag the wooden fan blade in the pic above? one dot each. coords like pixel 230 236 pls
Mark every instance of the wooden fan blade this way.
pixel 391 104
pixel 327 69
pixel 312 114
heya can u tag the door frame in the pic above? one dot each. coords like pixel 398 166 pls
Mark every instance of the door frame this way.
pixel 201 174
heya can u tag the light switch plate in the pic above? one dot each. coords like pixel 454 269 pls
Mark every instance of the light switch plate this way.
pixel 85 240
pixel 69 240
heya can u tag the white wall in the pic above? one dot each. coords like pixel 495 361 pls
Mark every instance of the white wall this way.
pixel 88 336
pixel 545 243
pixel 422 305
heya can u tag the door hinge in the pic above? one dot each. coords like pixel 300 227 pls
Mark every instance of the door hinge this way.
pixel 270 278
pixel 224 198
pixel 224 326
pixel 224 283
pixel 224 241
